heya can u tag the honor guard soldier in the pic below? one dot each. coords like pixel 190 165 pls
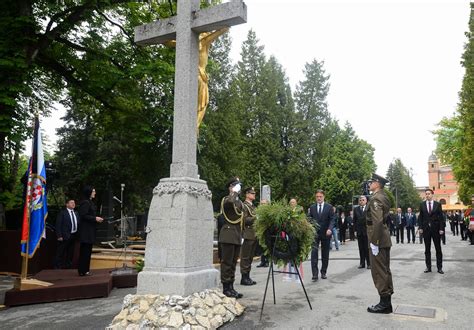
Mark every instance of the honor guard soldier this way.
pixel 250 239
pixel 230 236
pixel 380 244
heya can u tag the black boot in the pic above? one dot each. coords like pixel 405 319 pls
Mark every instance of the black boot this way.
pixel 236 294
pixel 383 307
pixel 246 280
pixel 263 261
pixel 227 291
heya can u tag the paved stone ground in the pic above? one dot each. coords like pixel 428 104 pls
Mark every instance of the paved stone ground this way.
pixel 340 302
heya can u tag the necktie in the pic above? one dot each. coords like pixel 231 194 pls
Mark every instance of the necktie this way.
pixel 73 218
pixel 319 210
pixel 429 207
pixel 363 209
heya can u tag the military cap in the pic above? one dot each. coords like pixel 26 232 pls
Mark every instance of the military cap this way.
pixel 249 190
pixel 233 181
pixel 379 179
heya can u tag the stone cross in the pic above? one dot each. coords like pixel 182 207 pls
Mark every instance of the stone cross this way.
pixel 179 247
pixel 185 29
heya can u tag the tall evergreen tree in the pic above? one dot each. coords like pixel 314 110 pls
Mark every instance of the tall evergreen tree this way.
pixel 348 163
pixel 402 185
pixel 311 102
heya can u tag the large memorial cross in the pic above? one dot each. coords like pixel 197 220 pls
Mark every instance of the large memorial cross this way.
pixel 178 255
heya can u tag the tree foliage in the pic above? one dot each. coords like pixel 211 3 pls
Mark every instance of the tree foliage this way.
pixel 82 54
pixel 402 186
pixel 119 108
pixel 347 163
pixel 455 136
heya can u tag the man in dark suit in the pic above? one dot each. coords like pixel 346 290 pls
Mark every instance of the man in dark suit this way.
pixel 360 225
pixel 432 224
pixel 400 222
pixel 342 223
pixel 67 223
pixel 350 224
pixel 411 222
pixel 323 214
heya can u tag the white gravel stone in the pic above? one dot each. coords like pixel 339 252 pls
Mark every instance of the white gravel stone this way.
pixel 176 319
pixel 204 321
pixel 204 310
pixel 239 308
pixel 216 321
pixel 151 315
pixel 219 310
pixel 144 306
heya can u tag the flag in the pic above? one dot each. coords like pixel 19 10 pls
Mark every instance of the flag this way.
pixel 35 209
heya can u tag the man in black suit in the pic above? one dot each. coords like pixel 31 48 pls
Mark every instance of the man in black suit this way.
pixel 350 224
pixel 432 224
pixel 411 222
pixel 360 225
pixel 323 214
pixel 67 223
pixel 342 223
pixel 400 225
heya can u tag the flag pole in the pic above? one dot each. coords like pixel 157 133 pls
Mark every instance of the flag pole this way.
pixel 24 264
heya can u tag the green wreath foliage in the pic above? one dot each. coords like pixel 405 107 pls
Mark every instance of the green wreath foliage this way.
pixel 279 216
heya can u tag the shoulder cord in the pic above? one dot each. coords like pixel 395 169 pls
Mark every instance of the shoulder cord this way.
pixel 250 211
pixel 234 222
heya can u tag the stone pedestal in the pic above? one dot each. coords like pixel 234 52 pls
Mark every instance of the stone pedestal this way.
pixel 178 256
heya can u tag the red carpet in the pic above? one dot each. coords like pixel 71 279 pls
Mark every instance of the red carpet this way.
pixel 68 285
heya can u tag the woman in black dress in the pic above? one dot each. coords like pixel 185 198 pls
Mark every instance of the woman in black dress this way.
pixel 89 220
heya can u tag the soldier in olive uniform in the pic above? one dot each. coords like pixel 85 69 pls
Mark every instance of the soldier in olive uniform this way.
pixel 230 236
pixel 380 244
pixel 250 239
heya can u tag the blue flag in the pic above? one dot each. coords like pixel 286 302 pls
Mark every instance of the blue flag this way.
pixel 35 209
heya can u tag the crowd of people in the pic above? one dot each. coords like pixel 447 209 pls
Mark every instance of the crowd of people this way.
pixel 371 222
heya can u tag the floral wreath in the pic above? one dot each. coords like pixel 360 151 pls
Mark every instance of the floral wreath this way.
pixel 296 232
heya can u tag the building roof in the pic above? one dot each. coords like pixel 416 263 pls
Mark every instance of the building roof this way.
pixel 432 158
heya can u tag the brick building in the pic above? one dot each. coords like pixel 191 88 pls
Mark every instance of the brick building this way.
pixel 441 180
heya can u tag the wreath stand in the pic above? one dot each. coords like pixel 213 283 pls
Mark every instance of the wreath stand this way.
pixel 272 272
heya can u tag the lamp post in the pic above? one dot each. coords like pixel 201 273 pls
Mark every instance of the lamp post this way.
pixel 122 188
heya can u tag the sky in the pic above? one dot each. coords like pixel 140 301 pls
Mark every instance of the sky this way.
pixel 394 66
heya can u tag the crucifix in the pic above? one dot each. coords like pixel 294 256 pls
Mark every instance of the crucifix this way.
pixel 179 247
pixel 185 29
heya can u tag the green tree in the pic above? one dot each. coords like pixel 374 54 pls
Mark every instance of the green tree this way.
pixel 83 49
pixel 402 186
pixel 455 137
pixel 346 165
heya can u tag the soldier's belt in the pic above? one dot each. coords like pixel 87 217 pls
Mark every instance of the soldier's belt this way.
pixel 369 222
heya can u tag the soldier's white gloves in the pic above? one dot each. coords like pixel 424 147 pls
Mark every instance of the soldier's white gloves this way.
pixel 375 249
pixel 237 188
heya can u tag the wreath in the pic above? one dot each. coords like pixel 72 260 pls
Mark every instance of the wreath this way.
pixel 296 232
